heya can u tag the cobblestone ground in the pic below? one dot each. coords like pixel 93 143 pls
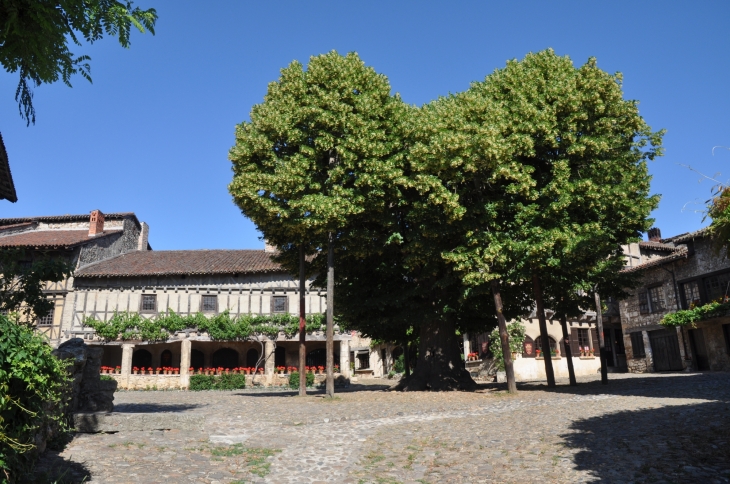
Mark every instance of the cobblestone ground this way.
pixel 657 428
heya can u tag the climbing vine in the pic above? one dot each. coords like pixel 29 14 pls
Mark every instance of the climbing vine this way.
pixel 223 326
pixel 688 317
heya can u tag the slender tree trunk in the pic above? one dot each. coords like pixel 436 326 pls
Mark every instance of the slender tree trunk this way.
pixel 330 384
pixel 302 325
pixel 601 340
pixel 407 359
pixel 545 341
pixel 439 364
pixel 504 338
pixel 568 350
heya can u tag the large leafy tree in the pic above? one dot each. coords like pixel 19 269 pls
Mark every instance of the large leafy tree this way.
pixel 35 37
pixel 318 159
pixel 557 161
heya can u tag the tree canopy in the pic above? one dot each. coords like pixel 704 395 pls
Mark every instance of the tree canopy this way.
pixel 35 36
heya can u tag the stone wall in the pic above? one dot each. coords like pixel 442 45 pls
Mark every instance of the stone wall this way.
pixel 110 245
pixel 175 382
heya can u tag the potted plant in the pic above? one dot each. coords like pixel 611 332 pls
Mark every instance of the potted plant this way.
pixel 118 370
pixel 261 371
pixel 247 370
pixel 158 370
pixel 320 369
pixel 135 370
pixel 176 371
pixel 538 352
pixel 337 368
pixel 592 351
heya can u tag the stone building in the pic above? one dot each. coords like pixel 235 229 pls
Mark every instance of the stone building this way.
pixel 676 273
pixel 77 239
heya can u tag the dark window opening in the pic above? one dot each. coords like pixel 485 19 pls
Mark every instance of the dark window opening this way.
pixel 691 291
pixel 364 360
pixel 726 332
pixel 142 359
pixel 637 344
pixel 197 359
pixel 166 358
pixel 279 356
pixel 643 303
pixel 225 358
pixel 717 287
pixel 279 304
pixel 584 341
pixel 538 344
pixel 47 320
pixel 210 304
pixel 252 357
pixel 656 299
pixel 149 303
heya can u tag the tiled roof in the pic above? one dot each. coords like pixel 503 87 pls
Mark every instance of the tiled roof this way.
pixel 7 187
pixel 682 238
pixel 50 238
pixel 179 262
pixel 658 246
pixel 68 218
pixel 680 253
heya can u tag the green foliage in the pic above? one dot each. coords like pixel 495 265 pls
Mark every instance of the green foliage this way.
pixel 399 365
pixel 133 326
pixel 33 397
pixel 34 38
pixel 220 382
pixel 516 332
pixel 688 317
pixel 22 281
pixel 106 378
pixel 719 212
pixel 294 380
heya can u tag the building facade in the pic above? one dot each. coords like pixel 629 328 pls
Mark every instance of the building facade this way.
pixel 676 273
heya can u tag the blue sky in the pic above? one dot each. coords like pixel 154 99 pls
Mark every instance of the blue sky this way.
pixel 152 133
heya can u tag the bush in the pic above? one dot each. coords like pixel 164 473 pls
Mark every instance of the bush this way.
pixel 34 388
pixel 516 334
pixel 222 382
pixel 294 380
pixel 399 365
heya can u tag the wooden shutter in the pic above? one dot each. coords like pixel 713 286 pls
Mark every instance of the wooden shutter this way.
pixel 562 347
pixel 528 348
pixel 574 343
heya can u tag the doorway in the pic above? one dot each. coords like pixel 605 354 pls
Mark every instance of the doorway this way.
pixel 665 348
pixel 699 349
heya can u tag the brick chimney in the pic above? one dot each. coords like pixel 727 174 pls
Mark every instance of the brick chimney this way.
pixel 655 235
pixel 96 223
pixel 144 236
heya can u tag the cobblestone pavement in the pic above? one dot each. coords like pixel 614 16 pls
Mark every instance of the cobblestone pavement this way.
pixel 655 428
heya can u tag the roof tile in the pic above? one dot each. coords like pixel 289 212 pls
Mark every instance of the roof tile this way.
pixel 50 238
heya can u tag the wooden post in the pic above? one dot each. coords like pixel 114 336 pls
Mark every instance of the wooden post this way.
pixel 504 338
pixel 302 325
pixel 601 340
pixel 568 350
pixel 330 383
pixel 544 339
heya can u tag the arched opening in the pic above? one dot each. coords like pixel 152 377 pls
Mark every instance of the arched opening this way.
pixel 166 358
pixel 528 348
pixel 398 359
pixel 319 358
pixel 252 357
pixel 538 344
pixel 197 359
pixel 225 358
pixel 142 359
pixel 279 356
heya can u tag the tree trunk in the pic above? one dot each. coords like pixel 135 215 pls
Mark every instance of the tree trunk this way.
pixel 544 340
pixel 439 365
pixel 601 340
pixel 568 351
pixel 407 358
pixel 330 384
pixel 302 325
pixel 504 338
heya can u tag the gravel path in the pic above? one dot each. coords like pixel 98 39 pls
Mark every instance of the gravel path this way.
pixel 648 428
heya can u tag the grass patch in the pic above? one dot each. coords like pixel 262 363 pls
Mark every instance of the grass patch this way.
pixel 255 458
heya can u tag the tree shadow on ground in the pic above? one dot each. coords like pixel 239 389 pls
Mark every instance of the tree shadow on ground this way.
pixel 687 443
pixel 710 386
pixel 155 407
pixel 52 468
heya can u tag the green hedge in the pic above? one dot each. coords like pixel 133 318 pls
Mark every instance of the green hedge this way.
pixel 688 317
pixel 34 389
pixel 222 382
pixel 294 380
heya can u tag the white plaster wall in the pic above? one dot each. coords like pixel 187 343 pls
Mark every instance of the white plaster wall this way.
pixel 528 369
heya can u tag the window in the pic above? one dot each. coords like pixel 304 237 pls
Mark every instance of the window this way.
pixel 279 304
pixel 726 332
pixel 47 320
pixel 583 337
pixel 209 304
pixel 637 344
pixel 538 343
pixel 652 300
pixel 364 361
pixel 691 292
pixel 656 299
pixel 149 303
pixel 716 287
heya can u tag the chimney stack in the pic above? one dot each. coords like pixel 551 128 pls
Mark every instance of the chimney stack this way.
pixel 268 248
pixel 655 235
pixel 96 223
pixel 144 235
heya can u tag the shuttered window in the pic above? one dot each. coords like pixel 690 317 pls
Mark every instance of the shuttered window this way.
pixel 637 344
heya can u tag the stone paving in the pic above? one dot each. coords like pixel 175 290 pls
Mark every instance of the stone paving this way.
pixel 639 428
